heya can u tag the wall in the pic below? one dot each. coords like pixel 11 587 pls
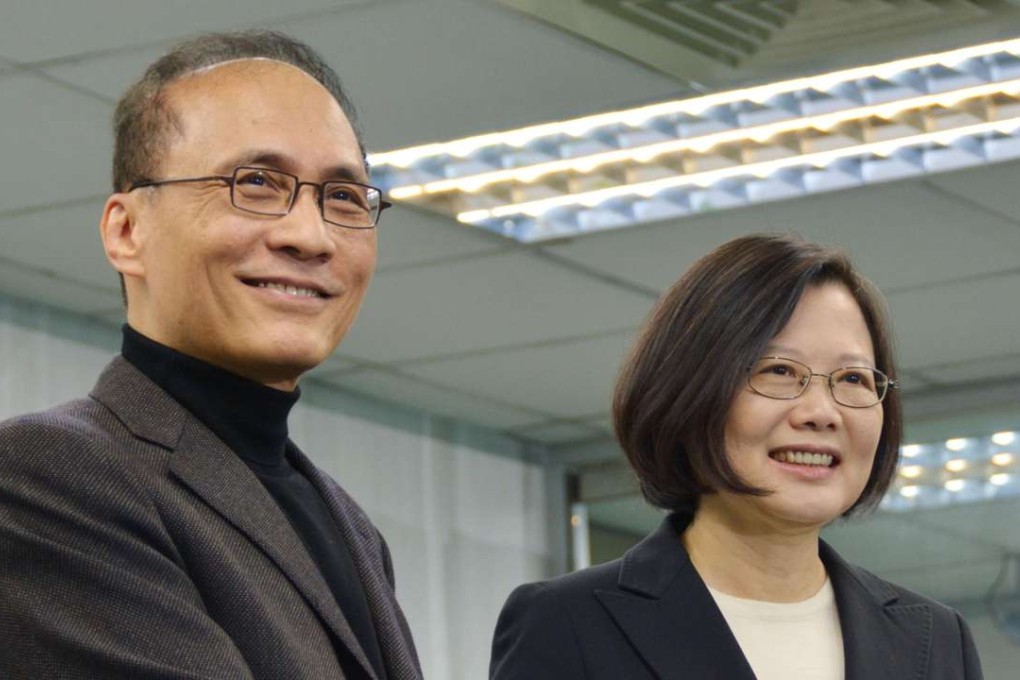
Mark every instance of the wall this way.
pixel 465 515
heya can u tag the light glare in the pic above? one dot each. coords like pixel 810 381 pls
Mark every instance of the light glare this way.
pixel 910 491
pixel 1004 438
pixel 956 465
pixel 956 444
pixel 911 471
pixel 1002 459
pixel 911 450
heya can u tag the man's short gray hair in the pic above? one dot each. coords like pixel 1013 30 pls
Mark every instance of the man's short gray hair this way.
pixel 144 117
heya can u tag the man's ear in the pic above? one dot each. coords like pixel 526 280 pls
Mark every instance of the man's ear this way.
pixel 123 237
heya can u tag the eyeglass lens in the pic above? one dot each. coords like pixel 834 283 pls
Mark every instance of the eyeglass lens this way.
pixel 787 379
pixel 269 192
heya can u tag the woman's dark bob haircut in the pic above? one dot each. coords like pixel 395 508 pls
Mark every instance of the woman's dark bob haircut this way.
pixel 675 389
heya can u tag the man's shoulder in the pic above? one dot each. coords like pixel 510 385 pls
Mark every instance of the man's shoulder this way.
pixel 78 420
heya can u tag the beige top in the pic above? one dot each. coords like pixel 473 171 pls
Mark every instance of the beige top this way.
pixel 787 641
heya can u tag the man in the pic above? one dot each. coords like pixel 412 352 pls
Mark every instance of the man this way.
pixel 165 527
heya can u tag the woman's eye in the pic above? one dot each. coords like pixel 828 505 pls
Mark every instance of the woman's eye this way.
pixel 783 370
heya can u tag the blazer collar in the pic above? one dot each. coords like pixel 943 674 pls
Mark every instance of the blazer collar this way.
pixel 363 542
pixel 666 612
pixel 215 473
pixel 662 600
pixel 883 639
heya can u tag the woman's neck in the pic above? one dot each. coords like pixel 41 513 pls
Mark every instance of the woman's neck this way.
pixel 752 560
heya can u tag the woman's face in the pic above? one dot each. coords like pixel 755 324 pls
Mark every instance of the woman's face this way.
pixel 765 438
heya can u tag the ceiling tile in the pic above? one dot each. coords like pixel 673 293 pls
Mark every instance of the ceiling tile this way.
pixel 452 68
pixel 409 236
pixel 566 379
pixel 45 29
pixel 63 241
pixel 393 387
pixel 957 323
pixel 901 234
pixel 107 74
pixel 992 368
pixel 485 303
pixel 56 144
pixel 992 187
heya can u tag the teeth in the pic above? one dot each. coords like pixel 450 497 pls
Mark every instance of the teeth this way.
pixel 289 290
pixel 803 458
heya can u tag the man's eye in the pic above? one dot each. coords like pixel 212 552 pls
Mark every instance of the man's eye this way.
pixel 341 194
pixel 257 179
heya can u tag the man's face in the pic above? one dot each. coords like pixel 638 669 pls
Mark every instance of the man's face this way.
pixel 264 297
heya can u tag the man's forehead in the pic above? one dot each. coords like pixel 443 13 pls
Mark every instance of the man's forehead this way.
pixel 242 62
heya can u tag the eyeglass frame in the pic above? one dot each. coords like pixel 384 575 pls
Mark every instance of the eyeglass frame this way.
pixel 890 384
pixel 231 180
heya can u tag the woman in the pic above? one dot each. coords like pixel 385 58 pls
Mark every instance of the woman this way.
pixel 757 406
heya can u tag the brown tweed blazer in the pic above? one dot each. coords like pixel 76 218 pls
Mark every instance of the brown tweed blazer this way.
pixel 135 544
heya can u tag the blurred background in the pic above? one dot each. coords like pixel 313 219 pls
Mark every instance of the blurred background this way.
pixel 555 166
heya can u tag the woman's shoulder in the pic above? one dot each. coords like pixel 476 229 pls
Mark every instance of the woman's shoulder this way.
pixel 571 586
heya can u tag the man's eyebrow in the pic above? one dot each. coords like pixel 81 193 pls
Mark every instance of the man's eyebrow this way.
pixel 279 161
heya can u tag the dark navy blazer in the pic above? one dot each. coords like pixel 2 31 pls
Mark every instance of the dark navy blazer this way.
pixel 649 615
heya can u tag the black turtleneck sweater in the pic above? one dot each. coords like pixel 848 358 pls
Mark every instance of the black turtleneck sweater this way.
pixel 252 420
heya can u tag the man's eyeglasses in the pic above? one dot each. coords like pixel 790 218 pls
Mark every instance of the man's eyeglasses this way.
pixel 272 192
pixel 853 386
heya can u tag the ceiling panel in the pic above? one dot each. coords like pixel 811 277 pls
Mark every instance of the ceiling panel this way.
pixel 45 29
pixel 390 386
pixel 107 74
pixel 901 234
pixel 485 303
pixel 451 68
pixel 992 188
pixel 993 368
pixel 408 236
pixel 564 379
pixel 62 241
pixel 55 143
pixel 954 323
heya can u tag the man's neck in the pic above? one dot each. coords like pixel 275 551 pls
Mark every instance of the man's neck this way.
pixel 249 417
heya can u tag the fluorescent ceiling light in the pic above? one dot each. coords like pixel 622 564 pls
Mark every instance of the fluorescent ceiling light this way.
pixel 922 114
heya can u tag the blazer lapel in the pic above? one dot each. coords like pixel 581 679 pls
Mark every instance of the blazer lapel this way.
pixel 363 542
pixel 212 471
pixel 881 640
pixel 666 612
